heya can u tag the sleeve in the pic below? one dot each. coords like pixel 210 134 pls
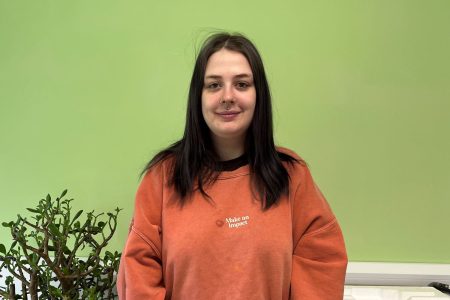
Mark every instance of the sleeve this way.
pixel 319 258
pixel 140 273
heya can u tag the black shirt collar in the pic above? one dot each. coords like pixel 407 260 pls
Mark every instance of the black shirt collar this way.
pixel 232 164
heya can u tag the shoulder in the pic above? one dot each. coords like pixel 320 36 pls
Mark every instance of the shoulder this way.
pixel 153 189
pixel 157 173
pixel 163 161
pixel 296 167
pixel 291 160
pixel 288 152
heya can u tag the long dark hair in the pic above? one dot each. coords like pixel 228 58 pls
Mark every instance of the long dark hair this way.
pixel 194 161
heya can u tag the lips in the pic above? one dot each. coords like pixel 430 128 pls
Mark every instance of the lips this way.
pixel 228 115
pixel 225 113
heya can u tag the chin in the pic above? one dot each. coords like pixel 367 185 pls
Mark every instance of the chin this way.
pixel 229 134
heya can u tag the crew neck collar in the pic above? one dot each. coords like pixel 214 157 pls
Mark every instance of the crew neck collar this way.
pixel 232 164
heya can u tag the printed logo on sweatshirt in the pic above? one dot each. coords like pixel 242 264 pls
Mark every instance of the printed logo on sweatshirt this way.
pixel 236 222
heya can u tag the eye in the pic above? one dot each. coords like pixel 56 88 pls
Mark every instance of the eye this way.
pixel 212 86
pixel 242 85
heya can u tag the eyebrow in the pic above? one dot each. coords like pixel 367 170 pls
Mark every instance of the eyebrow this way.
pixel 244 75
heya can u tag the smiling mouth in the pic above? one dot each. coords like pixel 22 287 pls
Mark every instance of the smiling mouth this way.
pixel 228 113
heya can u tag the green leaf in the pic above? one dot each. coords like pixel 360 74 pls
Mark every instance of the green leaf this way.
pixel 4 224
pixel 95 230
pixel 67 251
pixel 76 224
pixel 108 254
pixel 63 193
pixel 33 210
pixel 54 291
pixel 77 215
pixel 54 230
pixel 48 198
pixel 34 259
pixel 2 249
pixel 92 293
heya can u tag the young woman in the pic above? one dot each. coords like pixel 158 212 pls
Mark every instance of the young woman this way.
pixel 223 213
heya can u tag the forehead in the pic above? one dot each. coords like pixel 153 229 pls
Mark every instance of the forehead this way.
pixel 227 63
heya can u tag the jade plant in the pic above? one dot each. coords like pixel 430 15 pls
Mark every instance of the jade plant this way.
pixel 44 256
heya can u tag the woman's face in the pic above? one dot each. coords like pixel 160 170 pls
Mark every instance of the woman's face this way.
pixel 229 95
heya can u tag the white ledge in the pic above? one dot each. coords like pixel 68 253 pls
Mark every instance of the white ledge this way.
pixel 398 274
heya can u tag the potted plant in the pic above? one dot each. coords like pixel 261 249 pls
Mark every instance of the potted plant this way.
pixel 44 254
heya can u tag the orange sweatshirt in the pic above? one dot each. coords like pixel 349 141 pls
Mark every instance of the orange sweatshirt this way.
pixel 232 249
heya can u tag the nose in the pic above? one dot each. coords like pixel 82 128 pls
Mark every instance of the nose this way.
pixel 228 93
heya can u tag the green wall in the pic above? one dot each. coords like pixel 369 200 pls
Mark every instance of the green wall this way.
pixel 90 90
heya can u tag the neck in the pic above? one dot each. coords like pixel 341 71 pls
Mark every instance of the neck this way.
pixel 228 149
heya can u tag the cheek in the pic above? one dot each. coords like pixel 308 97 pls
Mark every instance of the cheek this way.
pixel 251 116
pixel 251 105
pixel 252 108
pixel 207 108
pixel 209 102
pixel 251 100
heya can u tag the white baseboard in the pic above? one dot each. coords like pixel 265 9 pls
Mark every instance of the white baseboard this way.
pixel 396 274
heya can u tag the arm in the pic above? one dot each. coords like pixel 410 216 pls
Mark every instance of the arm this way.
pixel 140 272
pixel 319 258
